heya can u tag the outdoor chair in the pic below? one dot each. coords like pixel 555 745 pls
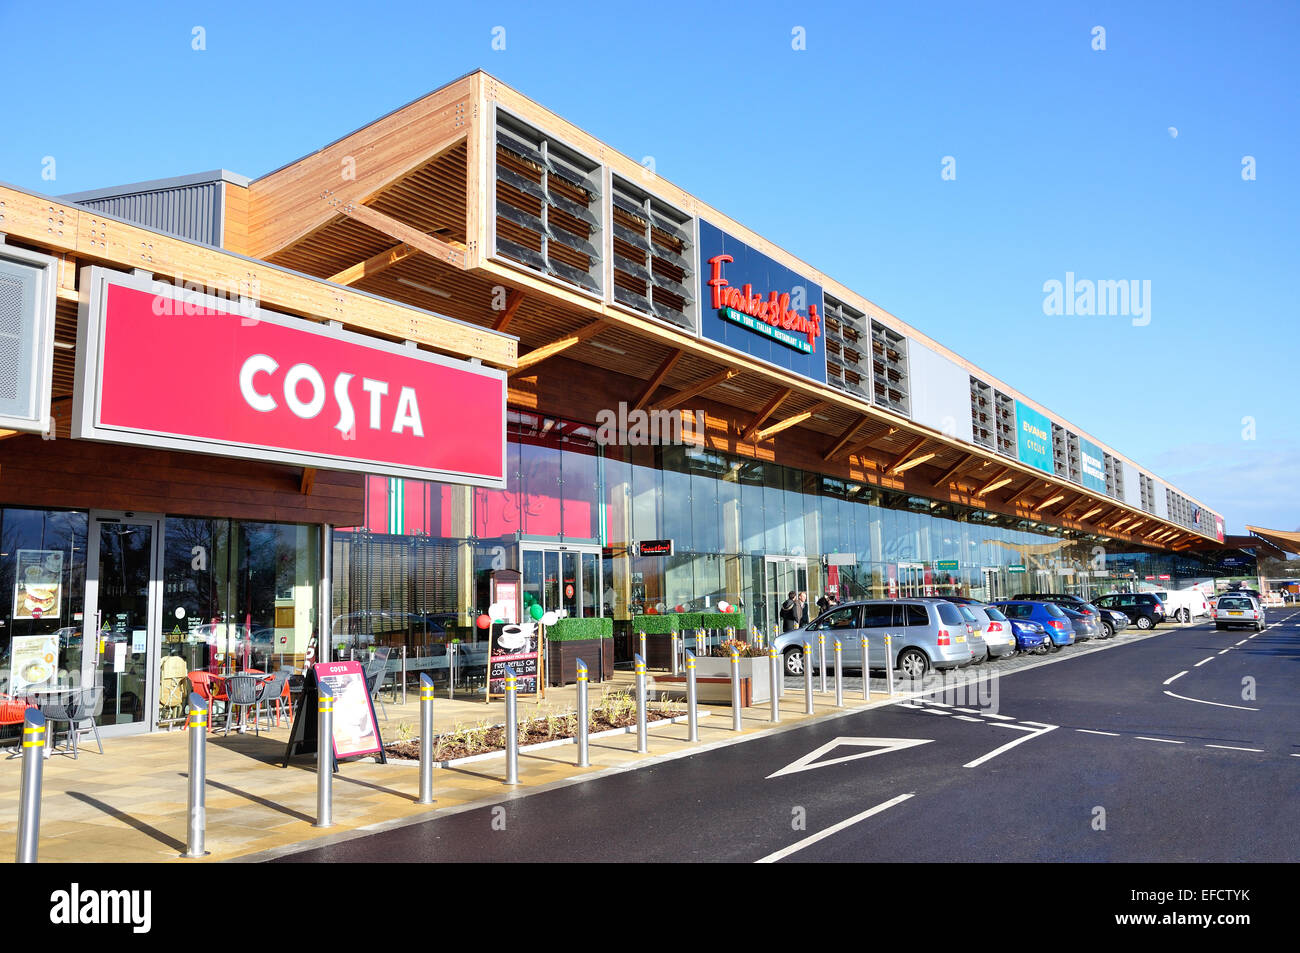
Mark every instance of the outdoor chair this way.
pixel 77 706
pixel 242 691
pixel 172 675
pixel 210 689
pixel 273 694
pixel 375 672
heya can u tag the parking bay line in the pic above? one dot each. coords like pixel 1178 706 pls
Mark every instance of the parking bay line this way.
pixel 1203 661
pixel 1176 677
pixel 1089 731
pixel 967 718
pixel 1204 702
pixel 833 829
pixel 1243 641
pixel 1226 651
pixel 1167 741
pixel 1234 748
pixel 1011 744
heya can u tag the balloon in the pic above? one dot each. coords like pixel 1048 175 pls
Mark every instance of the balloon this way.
pixel 651 610
pixel 549 618
pixel 536 611
pixel 483 621
pixel 496 610
pixel 723 607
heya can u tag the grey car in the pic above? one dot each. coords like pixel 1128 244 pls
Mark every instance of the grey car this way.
pixel 924 634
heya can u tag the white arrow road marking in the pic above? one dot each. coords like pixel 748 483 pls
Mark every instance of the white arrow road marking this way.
pixel 835 828
pixel 1176 677
pixel 997 751
pixel 1204 702
pixel 878 746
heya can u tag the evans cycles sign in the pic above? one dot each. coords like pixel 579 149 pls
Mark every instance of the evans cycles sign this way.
pixel 203 376
pixel 758 306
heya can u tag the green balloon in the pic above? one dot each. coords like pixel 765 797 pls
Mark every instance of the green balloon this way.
pixel 536 612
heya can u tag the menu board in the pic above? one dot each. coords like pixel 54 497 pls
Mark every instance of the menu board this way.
pixel 515 645
pixel 355 731
pixel 38 584
pixel 32 661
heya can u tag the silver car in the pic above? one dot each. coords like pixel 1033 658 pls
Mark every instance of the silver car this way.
pixel 924 634
pixel 1236 609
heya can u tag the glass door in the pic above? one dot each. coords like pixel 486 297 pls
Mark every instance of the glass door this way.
pixel 911 579
pixel 567 578
pixel 785 574
pixel 123 603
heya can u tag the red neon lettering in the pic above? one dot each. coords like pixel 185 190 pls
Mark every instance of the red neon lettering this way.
pixel 716 281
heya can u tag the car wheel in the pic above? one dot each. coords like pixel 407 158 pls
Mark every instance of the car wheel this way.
pixel 913 663
pixel 1259 626
pixel 1184 615
pixel 1107 630
pixel 794 662
pixel 1046 647
pixel 1143 622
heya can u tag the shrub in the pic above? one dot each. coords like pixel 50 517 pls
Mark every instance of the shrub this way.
pixel 577 629
pixel 725 620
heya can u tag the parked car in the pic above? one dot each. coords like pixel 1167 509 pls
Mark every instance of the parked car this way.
pixel 1142 608
pixel 925 634
pixel 999 640
pixel 1047 614
pixel 1233 610
pixel 1086 627
pixel 1067 601
pixel 1183 605
pixel 1030 636
pixel 1114 620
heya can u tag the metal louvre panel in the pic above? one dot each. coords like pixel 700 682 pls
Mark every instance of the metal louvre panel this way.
pixel 670 314
pixel 660 221
pixel 571 274
pixel 573 208
pixel 668 284
pixel 520 253
pixel 520 148
pixel 570 240
pixel 630 267
pixel 668 255
pixel 519 216
pixel 521 182
pixel 632 238
pixel 631 299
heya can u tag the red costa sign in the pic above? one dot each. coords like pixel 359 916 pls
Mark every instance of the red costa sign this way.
pixel 266 386
pixel 775 310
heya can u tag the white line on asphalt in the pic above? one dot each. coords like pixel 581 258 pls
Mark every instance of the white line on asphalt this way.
pixel 989 714
pixel 932 702
pixel 1234 748
pixel 1036 724
pixel 1176 677
pixel 1204 702
pixel 1089 731
pixel 1243 641
pixel 968 711
pixel 966 718
pixel 1226 651
pixel 833 829
pixel 1010 744
pixel 933 712
pixel 1165 740
pixel 1203 661
pixel 1295 755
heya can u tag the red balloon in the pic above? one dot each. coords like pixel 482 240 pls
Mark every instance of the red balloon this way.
pixel 483 621
pixel 651 610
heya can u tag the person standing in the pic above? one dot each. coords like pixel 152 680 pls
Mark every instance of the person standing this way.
pixel 803 608
pixel 790 613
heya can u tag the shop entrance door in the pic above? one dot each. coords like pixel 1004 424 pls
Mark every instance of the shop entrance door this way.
pixel 785 574
pixel 564 577
pixel 911 579
pixel 123 602
pixel 993 585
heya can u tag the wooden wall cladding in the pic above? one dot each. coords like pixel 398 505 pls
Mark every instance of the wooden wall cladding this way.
pixel 82 474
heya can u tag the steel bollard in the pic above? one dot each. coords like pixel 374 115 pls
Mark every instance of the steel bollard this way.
pixel 451 670
pixel 426 738
pixel 889 664
pixel 773 676
pixel 807 679
pixel 584 760
pixel 324 756
pixel 839 675
pixel 866 668
pixel 735 690
pixel 673 640
pixel 642 742
pixel 29 798
pixel 821 659
pixel 512 727
pixel 404 675
pixel 643 651
pixel 692 700
pixel 197 724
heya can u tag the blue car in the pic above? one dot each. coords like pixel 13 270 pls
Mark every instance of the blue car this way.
pixel 1030 636
pixel 1055 623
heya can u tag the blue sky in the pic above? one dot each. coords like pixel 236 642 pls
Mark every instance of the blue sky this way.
pixel 1065 156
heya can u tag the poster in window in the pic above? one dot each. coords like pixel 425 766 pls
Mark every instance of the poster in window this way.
pixel 38 584
pixel 517 647
pixel 32 661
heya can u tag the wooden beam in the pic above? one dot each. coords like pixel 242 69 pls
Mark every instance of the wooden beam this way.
pixel 845 437
pixel 789 422
pixel 537 355
pixel 915 462
pixel 1120 523
pixel 1023 491
pixel 1055 498
pixel 1065 510
pixel 513 300
pixel 699 387
pixel 952 471
pixel 998 479
pixel 766 411
pixel 657 378
pixel 1137 524
pixel 1095 509
pixel 308 481
pixel 1108 516
pixel 394 228
pixel 373 265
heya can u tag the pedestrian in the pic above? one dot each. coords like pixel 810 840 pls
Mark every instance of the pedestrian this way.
pixel 803 608
pixel 790 613
pixel 825 602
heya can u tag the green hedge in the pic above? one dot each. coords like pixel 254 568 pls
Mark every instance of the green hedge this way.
pixel 577 629
pixel 670 622
pixel 725 620
pixel 656 624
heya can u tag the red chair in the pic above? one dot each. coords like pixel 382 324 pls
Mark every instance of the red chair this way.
pixel 211 688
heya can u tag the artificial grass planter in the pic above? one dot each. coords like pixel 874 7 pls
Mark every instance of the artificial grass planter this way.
pixel 580 629
pixel 656 624
pixel 725 620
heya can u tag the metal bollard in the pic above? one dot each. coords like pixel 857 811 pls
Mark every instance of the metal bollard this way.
pixel 324 756
pixel 807 679
pixel 839 675
pixel 512 727
pixel 404 675
pixel 29 798
pixel 643 651
pixel 821 659
pixel 426 738
pixel 584 760
pixel 774 677
pixel 198 811
pixel 735 691
pixel 692 701
pixel 674 641
pixel 451 670
pixel 866 668
pixel 642 742
pixel 889 664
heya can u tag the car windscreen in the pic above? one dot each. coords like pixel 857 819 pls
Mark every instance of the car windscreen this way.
pixel 1053 611
pixel 994 614
pixel 948 614
pixel 968 615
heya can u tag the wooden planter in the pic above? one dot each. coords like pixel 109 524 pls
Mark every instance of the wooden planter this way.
pixel 562 660
pixel 713 681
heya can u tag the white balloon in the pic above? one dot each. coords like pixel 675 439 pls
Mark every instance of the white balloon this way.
pixel 549 618
pixel 497 610
pixel 722 607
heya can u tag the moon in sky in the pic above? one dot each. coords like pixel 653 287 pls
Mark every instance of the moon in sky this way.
pixel 1173 132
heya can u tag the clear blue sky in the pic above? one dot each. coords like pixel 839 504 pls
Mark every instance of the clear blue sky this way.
pixel 1065 161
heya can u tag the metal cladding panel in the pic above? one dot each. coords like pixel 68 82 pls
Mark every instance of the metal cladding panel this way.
pixel 1132 486
pixel 940 393
pixel 192 212
pixel 1162 499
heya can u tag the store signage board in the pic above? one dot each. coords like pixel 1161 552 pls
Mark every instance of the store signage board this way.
pixel 38 584
pixel 161 367
pixel 1033 438
pixel 1092 466
pixel 946 565
pixel 753 304
pixel 655 547
pixel 1017 567
pixel 33 662
pixel 356 730
pixel 517 646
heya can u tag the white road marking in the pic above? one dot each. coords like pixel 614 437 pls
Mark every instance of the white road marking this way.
pixel 1234 748
pixel 1203 661
pixel 1295 755
pixel 1011 744
pixel 1244 641
pixel 877 745
pixel 990 714
pixel 1036 724
pixel 1176 677
pixel 940 704
pixel 967 718
pixel 1165 740
pixel 968 711
pixel 1089 731
pixel 1226 651
pixel 1204 702
pixel 833 829
pixel 932 711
